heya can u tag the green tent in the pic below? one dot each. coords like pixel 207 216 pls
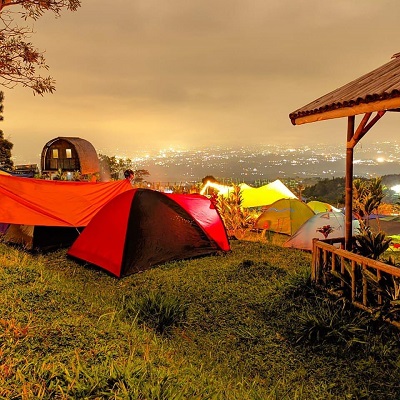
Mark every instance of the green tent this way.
pixel 284 216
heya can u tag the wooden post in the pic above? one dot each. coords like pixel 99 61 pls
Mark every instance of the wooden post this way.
pixel 353 281
pixel 379 276
pixel 349 185
pixel 324 265
pixel 364 286
pixel 314 262
pixel 333 262
pixel 342 270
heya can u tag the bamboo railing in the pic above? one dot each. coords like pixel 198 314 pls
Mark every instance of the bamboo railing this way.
pixel 369 284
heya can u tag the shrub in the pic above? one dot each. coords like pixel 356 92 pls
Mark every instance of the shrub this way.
pixel 237 220
pixel 370 244
pixel 328 323
pixel 156 310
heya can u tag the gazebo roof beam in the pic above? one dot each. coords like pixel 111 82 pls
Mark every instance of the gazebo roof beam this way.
pixel 388 104
pixel 363 128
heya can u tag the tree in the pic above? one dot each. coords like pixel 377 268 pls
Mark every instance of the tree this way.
pixel 5 152
pixel 115 166
pixel 140 174
pixel 5 145
pixel 19 59
pixel 328 190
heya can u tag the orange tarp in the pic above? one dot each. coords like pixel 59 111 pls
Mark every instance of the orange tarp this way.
pixel 32 201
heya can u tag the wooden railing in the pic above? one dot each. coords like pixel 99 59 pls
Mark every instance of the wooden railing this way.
pixel 369 284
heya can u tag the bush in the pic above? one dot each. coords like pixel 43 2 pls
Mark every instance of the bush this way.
pixel 329 323
pixel 370 244
pixel 156 310
pixel 237 220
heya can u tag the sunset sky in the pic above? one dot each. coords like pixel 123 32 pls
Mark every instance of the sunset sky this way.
pixel 140 75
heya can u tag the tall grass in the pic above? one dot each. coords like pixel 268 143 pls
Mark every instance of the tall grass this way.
pixel 242 325
pixel 156 310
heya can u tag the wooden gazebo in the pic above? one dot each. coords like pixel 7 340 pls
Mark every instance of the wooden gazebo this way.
pixel 69 154
pixel 373 93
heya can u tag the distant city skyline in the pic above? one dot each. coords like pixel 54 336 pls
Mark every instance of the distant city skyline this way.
pixel 266 163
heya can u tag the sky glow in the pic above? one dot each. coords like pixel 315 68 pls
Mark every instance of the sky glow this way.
pixel 134 77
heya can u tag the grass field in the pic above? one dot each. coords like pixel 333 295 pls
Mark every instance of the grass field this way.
pixel 241 325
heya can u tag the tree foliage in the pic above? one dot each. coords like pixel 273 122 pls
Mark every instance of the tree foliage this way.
pixel 328 190
pixel 20 62
pixel 115 166
pixel 140 174
pixel 371 244
pixel 5 152
pixel 5 145
pixel 237 220
pixel 367 197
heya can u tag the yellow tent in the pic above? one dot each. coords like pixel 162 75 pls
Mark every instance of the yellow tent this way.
pixel 254 197
pixel 264 195
pixel 320 206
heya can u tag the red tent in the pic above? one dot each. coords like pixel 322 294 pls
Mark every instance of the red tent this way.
pixel 142 228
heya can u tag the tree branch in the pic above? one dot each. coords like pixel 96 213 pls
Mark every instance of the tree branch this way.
pixel 19 60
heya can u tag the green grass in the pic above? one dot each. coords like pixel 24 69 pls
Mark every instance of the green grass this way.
pixel 241 325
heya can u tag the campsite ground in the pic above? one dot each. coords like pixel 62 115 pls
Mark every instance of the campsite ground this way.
pixel 242 325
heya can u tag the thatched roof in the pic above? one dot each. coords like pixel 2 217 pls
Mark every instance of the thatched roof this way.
pixel 88 158
pixel 378 90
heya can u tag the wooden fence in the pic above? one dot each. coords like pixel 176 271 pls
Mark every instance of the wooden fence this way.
pixel 369 284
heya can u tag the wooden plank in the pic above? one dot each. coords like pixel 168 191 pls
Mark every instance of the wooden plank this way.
pixel 364 286
pixel 362 108
pixel 360 259
pixel 314 261
pixel 362 130
pixel 342 269
pixel 379 276
pixel 356 137
pixel 353 280
pixel 321 254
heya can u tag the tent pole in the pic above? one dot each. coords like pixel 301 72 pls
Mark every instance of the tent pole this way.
pixel 349 184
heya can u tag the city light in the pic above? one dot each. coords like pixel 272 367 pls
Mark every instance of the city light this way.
pixel 266 162
pixel 223 190
pixel 396 188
